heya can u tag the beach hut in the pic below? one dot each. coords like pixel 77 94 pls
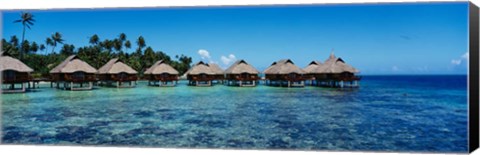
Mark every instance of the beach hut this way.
pixel 242 74
pixel 200 75
pixel 335 73
pixel 218 72
pixel 115 71
pixel 311 73
pixel 284 73
pixel 14 72
pixel 161 74
pixel 73 73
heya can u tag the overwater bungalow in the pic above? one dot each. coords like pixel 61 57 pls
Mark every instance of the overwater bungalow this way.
pixel 73 74
pixel 311 73
pixel 14 72
pixel 161 74
pixel 200 75
pixel 219 75
pixel 118 73
pixel 336 73
pixel 284 73
pixel 241 74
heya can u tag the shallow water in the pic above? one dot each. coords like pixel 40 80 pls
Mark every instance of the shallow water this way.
pixel 387 113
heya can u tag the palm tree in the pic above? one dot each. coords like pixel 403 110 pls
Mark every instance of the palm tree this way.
pixel 107 44
pixel 25 47
pixel 14 41
pixel 148 57
pixel 117 45
pixel 67 49
pixel 141 43
pixel 122 37
pixel 34 47
pixel 27 20
pixel 57 39
pixel 127 45
pixel 94 39
pixel 42 47
pixel 48 42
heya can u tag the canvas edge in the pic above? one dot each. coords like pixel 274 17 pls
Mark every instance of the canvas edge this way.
pixel 473 78
pixel 1 76
pixel 473 71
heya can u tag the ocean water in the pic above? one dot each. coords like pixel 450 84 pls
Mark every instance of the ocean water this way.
pixel 387 113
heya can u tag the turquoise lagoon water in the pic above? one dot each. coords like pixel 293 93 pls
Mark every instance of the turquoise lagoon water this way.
pixel 387 113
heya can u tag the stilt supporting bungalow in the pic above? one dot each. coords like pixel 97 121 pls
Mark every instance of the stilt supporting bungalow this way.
pixel 338 81
pixel 285 74
pixel 163 83
pixel 162 75
pixel 118 74
pixel 241 74
pixel 201 83
pixel 35 83
pixel 73 74
pixel 15 74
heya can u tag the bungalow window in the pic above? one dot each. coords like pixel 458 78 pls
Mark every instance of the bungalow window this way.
pixel 9 74
pixel 244 75
pixel 203 76
pixel 292 75
pixel 79 75
pixel 122 75
pixel 164 75
pixel 347 74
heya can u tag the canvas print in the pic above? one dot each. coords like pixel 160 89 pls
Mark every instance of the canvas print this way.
pixel 335 77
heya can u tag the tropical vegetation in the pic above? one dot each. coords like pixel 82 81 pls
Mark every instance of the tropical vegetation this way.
pixel 96 53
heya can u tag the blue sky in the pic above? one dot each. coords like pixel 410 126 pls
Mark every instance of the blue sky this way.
pixel 408 38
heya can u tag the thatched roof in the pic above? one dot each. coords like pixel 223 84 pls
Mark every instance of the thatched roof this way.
pixel 161 67
pixel 200 68
pixel 216 69
pixel 9 63
pixel 116 66
pixel 73 64
pixel 312 66
pixel 335 65
pixel 241 66
pixel 284 66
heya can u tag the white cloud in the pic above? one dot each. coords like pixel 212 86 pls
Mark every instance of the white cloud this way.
pixel 456 61
pixel 227 60
pixel 422 69
pixel 204 54
pixel 463 58
pixel 212 62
